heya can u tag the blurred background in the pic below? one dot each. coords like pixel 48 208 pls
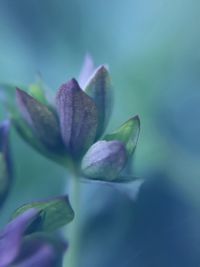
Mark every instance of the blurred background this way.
pixel 153 51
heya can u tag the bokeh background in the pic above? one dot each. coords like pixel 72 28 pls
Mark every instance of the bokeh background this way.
pixel 153 50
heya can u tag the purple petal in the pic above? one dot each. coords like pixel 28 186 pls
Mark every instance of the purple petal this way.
pixel 6 172
pixel 41 119
pixel 11 237
pixel 45 257
pixel 99 88
pixel 86 71
pixel 33 245
pixel 104 160
pixel 78 117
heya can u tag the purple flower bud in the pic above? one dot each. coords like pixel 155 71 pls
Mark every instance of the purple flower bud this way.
pixel 99 88
pixel 78 117
pixel 86 71
pixel 6 172
pixel 41 119
pixel 11 236
pixel 104 160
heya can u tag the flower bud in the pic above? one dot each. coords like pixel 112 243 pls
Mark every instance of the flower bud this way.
pixel 41 119
pixel 78 117
pixel 99 88
pixel 104 160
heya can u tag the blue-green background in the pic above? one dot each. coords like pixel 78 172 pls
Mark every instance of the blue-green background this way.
pixel 153 50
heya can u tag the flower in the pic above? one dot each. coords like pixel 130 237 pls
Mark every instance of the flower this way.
pixel 70 131
pixel 27 240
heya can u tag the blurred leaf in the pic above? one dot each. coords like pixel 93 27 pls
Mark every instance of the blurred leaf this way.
pixel 54 214
pixel 128 133
pixel 36 90
pixel 99 88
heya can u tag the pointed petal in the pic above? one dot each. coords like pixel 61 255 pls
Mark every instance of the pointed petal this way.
pixel 78 117
pixel 86 71
pixel 99 87
pixel 104 160
pixel 41 119
pixel 11 237
pixel 128 133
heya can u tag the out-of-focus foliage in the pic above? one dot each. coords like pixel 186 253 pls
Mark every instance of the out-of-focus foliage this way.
pixel 153 51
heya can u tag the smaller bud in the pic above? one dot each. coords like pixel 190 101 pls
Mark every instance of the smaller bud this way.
pixel 99 88
pixel 104 160
pixel 6 172
pixel 78 117
pixel 128 133
pixel 41 120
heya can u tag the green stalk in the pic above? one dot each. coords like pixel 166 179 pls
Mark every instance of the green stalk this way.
pixel 72 256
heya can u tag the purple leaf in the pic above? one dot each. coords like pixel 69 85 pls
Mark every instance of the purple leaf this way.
pixel 78 117
pixel 104 160
pixel 11 236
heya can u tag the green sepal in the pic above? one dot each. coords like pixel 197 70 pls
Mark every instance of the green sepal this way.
pixel 128 134
pixel 54 214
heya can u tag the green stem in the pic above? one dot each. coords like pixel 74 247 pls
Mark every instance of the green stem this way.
pixel 72 255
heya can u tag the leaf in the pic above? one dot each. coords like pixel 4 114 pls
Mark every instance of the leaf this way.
pixel 54 214
pixel 128 133
pixel 99 88
pixel 41 119
pixel 36 90
pixel 128 186
pixel 104 160
pixel 78 117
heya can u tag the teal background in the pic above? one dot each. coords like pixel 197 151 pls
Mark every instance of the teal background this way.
pixel 153 52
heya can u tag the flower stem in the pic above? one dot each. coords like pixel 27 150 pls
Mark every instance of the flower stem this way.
pixel 72 256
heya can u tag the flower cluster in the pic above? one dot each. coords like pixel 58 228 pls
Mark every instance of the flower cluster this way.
pixel 71 130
